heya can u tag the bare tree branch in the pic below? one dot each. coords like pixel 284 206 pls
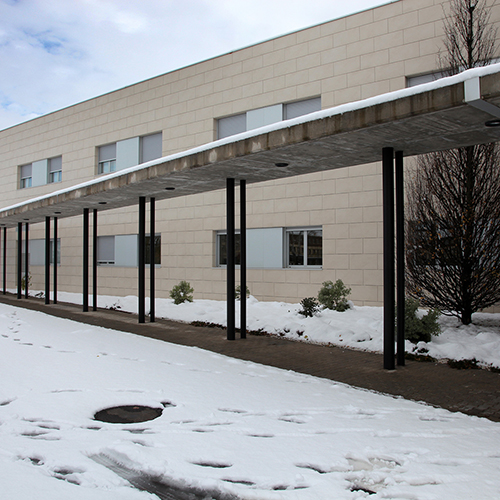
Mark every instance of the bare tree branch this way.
pixel 453 214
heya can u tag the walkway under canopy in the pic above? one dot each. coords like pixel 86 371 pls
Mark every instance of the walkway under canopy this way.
pixel 459 111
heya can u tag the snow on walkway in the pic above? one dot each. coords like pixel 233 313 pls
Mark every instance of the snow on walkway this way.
pixel 246 430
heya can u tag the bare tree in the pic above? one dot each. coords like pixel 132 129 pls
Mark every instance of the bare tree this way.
pixel 453 221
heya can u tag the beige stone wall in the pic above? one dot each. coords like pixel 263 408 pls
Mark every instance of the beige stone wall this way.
pixel 352 58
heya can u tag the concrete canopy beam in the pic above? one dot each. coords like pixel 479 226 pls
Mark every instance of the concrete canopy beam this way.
pixel 418 121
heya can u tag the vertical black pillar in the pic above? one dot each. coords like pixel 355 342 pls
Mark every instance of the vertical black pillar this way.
pixel 26 260
pixel 54 286
pixel 400 257
pixel 94 260
pixel 230 259
pixel 243 259
pixel 152 261
pixel 85 260
pixel 47 260
pixel 389 278
pixel 142 266
pixel 19 258
pixel 4 260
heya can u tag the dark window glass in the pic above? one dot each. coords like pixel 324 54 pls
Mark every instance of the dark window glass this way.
pixel 223 250
pixel 157 244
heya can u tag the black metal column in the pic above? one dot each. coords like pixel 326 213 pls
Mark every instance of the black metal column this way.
pixel 85 260
pixel 47 260
pixel 19 258
pixel 4 260
pixel 142 265
pixel 152 261
pixel 400 257
pixel 389 277
pixel 243 259
pixel 26 260
pixel 94 260
pixel 230 259
pixel 54 275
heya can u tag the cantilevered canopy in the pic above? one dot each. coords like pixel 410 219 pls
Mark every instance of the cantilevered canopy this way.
pixel 452 112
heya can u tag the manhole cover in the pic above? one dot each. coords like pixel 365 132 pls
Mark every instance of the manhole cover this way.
pixel 128 414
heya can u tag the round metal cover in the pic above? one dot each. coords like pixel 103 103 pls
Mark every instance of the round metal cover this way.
pixel 128 414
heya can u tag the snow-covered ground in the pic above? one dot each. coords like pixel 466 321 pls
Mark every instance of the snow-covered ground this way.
pixel 358 327
pixel 246 430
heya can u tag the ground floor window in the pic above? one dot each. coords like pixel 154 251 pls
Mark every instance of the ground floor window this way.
pixel 304 247
pixel 123 250
pixel 157 249
pixel 275 248
pixel 36 250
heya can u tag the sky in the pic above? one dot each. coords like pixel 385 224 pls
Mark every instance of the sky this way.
pixel 55 53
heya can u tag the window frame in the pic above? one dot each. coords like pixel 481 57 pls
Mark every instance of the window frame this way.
pixel 218 251
pixel 108 165
pixel 54 175
pixel 157 238
pixel 25 182
pixel 285 252
pixel 305 245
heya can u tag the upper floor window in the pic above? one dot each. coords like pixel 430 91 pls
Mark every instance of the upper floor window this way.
pixel 107 159
pixel 55 169
pixel 26 176
pixel 128 153
pixel 256 118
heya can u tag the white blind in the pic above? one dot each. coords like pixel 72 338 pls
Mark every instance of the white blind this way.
pixel 300 108
pixel 231 125
pixel 107 152
pixel 151 147
pixel 55 164
pixel 106 249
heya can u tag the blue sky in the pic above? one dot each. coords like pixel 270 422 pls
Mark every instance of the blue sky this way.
pixel 55 53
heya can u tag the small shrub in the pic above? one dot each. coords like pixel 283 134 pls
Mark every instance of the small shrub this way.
pixel 237 292
pixel 182 293
pixel 310 307
pixel 420 329
pixel 334 295
pixel 26 278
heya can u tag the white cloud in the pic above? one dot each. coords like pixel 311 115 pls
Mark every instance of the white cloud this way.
pixel 55 53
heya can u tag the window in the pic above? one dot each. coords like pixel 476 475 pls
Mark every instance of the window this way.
pixel 128 153
pixel 221 256
pixel 123 250
pixel 157 249
pixel 255 118
pixel 150 148
pixel 105 250
pixel 26 179
pixel 275 248
pixel 304 247
pixel 58 251
pixel 431 246
pixel 107 159
pixel 37 252
pixel 55 169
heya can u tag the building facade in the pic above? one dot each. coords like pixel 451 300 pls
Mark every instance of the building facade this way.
pixel 301 231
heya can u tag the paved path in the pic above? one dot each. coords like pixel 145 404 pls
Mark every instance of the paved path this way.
pixel 475 392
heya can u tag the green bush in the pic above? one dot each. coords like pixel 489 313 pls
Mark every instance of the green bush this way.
pixel 237 292
pixel 334 295
pixel 26 278
pixel 310 307
pixel 182 293
pixel 420 329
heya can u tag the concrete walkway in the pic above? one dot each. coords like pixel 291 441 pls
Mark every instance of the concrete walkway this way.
pixel 475 392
